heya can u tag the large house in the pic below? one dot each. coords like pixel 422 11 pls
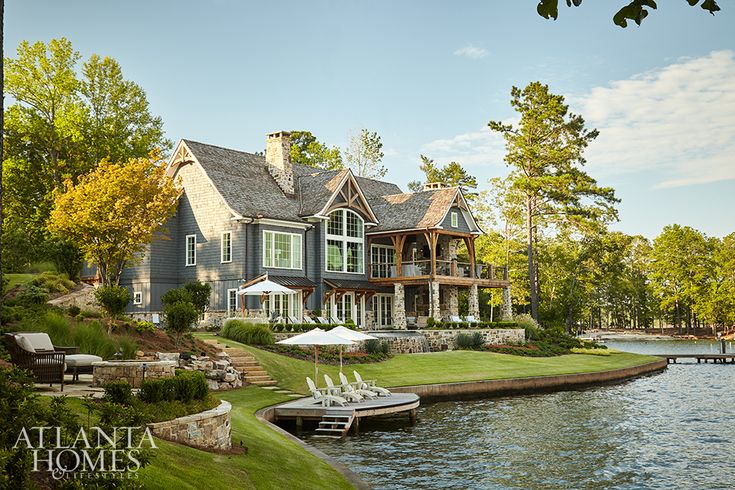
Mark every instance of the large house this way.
pixel 352 247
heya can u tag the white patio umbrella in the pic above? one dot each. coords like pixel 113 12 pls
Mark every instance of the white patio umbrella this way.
pixel 316 337
pixel 349 334
pixel 262 289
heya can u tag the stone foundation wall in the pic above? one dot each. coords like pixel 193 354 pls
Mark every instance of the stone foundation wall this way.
pixel 440 340
pixel 210 429
pixel 132 372
pixel 405 344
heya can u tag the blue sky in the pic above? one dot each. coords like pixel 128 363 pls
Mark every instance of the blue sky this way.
pixel 428 76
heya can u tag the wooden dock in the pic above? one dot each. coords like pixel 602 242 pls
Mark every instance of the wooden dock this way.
pixel 715 358
pixel 336 421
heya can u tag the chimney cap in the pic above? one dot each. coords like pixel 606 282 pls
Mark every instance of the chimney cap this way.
pixel 434 185
pixel 278 134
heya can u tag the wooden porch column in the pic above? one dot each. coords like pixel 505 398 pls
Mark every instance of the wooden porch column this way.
pixel 470 244
pixel 398 241
pixel 431 238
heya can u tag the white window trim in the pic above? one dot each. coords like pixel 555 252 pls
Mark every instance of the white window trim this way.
pixel 237 300
pixel 344 238
pixel 454 217
pixel 385 247
pixel 222 247
pixel 138 297
pixel 186 251
pixel 300 254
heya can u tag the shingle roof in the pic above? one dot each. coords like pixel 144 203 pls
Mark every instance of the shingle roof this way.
pixel 247 186
pixel 412 210
pixel 245 183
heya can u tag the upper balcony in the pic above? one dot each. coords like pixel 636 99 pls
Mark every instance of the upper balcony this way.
pixel 430 256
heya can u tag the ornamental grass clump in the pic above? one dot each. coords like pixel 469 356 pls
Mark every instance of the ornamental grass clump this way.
pixel 247 333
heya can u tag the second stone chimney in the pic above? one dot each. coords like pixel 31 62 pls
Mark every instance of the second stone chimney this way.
pixel 278 158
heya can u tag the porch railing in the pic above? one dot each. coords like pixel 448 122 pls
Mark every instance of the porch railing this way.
pixel 450 268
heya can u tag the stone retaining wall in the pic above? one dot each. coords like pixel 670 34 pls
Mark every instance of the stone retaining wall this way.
pixel 210 429
pixel 536 384
pixel 131 371
pixel 440 340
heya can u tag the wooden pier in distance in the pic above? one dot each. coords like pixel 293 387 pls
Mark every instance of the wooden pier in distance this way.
pixel 336 421
pixel 715 358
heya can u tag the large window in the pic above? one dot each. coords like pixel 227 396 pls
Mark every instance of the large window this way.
pixel 382 261
pixel 345 252
pixel 226 247
pixel 383 310
pixel 191 250
pixel 281 250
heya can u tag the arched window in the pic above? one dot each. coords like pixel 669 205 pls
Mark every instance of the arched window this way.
pixel 345 233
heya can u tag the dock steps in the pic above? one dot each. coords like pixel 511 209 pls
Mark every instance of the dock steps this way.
pixel 335 425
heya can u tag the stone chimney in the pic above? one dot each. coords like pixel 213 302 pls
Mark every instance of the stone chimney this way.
pixel 430 186
pixel 278 158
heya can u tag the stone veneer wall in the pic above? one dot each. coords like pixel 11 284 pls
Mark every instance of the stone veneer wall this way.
pixel 131 371
pixel 440 340
pixel 432 340
pixel 210 429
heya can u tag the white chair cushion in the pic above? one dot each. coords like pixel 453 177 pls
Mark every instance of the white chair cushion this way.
pixel 35 342
pixel 80 360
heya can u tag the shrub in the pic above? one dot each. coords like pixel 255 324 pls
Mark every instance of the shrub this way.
pixel 469 341
pixel 247 333
pixel 179 317
pixel 431 323
pixel 53 282
pixel 185 386
pixel 591 352
pixel 179 295
pixel 157 390
pixel 119 392
pixel 127 347
pixel 40 267
pixel 113 299
pixel 526 322
pixel 73 310
pixel 190 385
pixel 88 313
pixel 31 295
pixel 199 292
pixel 375 346
pixel 144 327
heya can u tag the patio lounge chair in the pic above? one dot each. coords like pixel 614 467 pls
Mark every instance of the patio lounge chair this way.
pixel 326 399
pixel 310 320
pixel 353 387
pixel 411 323
pixel 369 385
pixel 322 320
pixel 455 319
pixel 292 320
pixel 470 319
pixel 341 390
pixel 335 321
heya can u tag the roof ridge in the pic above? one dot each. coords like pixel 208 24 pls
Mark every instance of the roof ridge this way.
pixel 222 147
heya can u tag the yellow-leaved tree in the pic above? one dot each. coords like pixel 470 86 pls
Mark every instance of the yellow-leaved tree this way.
pixel 112 213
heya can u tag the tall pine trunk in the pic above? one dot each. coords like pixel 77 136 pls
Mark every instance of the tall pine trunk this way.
pixel 531 266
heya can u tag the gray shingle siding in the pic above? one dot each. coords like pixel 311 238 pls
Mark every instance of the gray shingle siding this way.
pixel 462 224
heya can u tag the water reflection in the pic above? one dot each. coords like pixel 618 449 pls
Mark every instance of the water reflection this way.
pixel 671 430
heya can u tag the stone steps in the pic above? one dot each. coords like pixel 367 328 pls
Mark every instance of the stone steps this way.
pixel 244 362
pixel 263 383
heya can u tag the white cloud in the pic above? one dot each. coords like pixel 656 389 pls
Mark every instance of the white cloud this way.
pixel 472 52
pixel 472 149
pixel 677 122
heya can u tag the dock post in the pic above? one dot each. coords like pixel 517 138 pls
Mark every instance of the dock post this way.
pixel 299 423
pixel 356 425
pixel 412 416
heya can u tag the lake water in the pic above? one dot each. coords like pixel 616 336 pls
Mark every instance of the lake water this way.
pixel 671 430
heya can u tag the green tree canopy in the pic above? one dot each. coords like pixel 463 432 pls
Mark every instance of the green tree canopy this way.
pixel 635 10
pixel 307 150
pixel 62 122
pixel 451 174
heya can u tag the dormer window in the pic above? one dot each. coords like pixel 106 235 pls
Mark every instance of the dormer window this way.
pixel 345 232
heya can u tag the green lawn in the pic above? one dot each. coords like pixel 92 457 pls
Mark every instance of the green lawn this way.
pixel 272 460
pixel 16 279
pixel 440 367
